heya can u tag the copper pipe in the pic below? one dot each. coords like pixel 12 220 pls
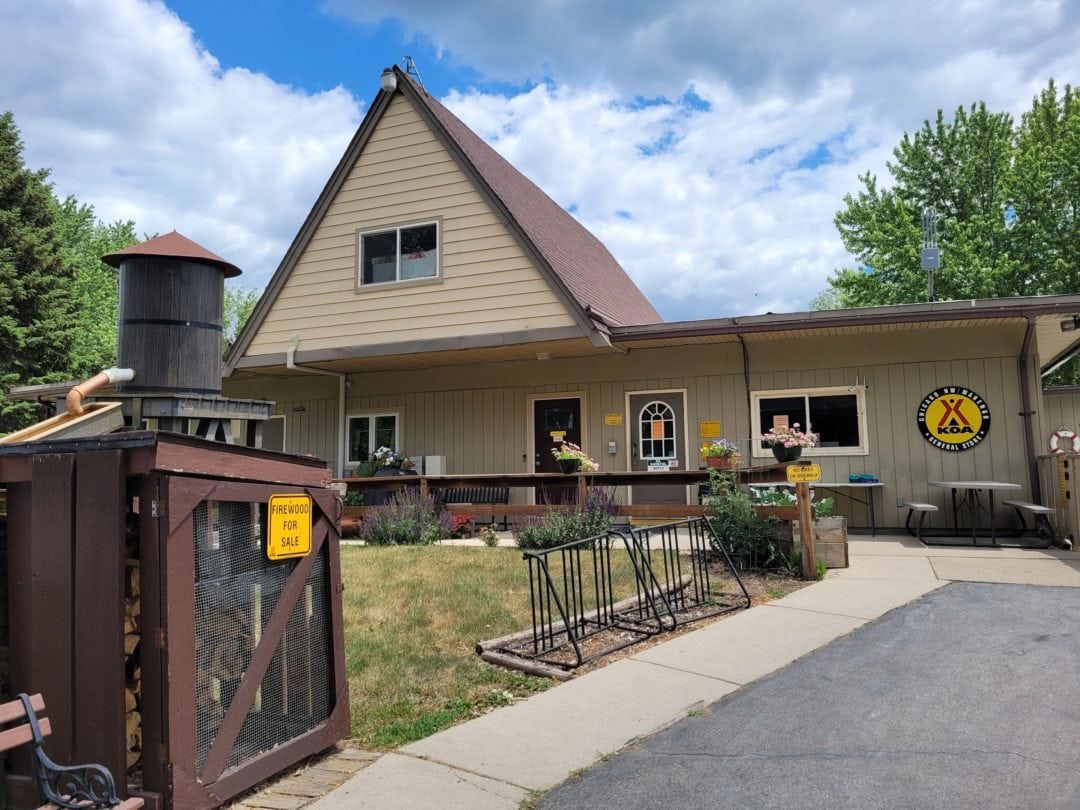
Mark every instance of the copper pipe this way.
pixel 110 375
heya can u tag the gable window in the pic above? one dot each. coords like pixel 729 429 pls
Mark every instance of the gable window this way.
pixel 837 415
pixel 369 432
pixel 399 254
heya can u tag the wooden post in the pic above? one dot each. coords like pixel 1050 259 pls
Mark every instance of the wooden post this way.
pixel 582 489
pixel 806 529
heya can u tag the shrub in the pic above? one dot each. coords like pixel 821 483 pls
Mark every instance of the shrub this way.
pixel 749 538
pixel 490 536
pixel 460 525
pixel 407 519
pixel 353 497
pixel 569 522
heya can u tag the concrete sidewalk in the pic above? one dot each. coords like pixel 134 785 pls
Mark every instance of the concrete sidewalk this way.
pixel 504 757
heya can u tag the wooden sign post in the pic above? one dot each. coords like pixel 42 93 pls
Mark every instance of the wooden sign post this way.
pixel 806 524
pixel 802 475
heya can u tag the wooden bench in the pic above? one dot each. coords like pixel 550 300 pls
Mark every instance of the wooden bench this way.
pixel 1041 516
pixel 78 786
pixel 923 509
pixel 487 497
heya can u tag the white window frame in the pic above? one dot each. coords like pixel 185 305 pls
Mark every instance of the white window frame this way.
pixel 674 429
pixel 397 229
pixel 371 415
pixel 757 451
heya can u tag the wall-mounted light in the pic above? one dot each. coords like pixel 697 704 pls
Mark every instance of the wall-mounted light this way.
pixel 388 81
pixel 1070 324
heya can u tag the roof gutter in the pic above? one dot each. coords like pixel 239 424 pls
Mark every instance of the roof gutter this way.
pixel 949 311
pixel 290 356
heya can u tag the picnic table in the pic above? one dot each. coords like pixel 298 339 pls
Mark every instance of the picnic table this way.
pixel 970 501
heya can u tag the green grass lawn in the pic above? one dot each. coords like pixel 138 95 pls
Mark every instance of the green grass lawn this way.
pixel 413 615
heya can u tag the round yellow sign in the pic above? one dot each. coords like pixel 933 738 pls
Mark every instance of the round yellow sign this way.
pixel 953 418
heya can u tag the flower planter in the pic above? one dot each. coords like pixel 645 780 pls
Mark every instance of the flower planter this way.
pixel 778 512
pixel 786 453
pixel 721 463
pixel 569 465
pixel 830 541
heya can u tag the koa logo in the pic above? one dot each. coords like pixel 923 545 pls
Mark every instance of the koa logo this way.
pixel 953 418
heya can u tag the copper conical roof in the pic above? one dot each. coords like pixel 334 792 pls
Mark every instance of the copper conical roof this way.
pixel 173 245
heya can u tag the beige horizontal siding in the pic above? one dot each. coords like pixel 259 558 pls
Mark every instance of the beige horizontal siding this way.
pixel 487 284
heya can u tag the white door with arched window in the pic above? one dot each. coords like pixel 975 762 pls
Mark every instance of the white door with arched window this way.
pixel 657 427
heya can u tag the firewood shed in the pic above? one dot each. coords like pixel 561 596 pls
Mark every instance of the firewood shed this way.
pixel 173 645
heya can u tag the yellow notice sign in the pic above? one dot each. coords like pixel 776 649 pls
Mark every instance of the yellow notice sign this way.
pixel 709 429
pixel 613 419
pixel 290 527
pixel 804 473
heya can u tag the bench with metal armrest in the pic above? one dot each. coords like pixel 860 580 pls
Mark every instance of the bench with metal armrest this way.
pixel 76 786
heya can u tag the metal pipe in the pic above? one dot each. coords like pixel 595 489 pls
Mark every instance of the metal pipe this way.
pixel 290 364
pixel 108 376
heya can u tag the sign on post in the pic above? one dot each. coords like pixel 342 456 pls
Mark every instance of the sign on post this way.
pixel 804 473
pixel 289 533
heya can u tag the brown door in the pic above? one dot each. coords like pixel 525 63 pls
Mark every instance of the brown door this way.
pixel 658 442
pixel 554 421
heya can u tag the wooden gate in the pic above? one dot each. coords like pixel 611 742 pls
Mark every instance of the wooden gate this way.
pixel 250 684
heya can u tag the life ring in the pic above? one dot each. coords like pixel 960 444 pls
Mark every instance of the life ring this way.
pixel 1064 440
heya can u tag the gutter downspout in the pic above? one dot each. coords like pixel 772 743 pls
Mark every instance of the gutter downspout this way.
pixel 1026 412
pixel 113 375
pixel 749 401
pixel 339 462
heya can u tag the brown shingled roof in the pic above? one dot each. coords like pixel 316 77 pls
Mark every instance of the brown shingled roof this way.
pixel 581 262
pixel 173 245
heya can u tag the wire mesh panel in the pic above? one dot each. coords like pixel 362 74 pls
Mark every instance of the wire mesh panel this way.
pixel 236 592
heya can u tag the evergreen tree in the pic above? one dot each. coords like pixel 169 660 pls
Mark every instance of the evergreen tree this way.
pixel 37 323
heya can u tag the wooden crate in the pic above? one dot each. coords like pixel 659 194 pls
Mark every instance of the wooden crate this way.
pixel 830 541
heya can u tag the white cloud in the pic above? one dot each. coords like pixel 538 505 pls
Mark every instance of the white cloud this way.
pixel 708 145
pixel 727 218
pixel 721 219
pixel 768 47
pixel 135 118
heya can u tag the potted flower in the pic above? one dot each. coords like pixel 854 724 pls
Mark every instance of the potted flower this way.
pixel 787 443
pixel 721 454
pixel 387 457
pixel 572 458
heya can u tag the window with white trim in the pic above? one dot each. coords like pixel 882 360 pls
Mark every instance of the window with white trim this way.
pixel 404 253
pixel 368 432
pixel 656 430
pixel 837 415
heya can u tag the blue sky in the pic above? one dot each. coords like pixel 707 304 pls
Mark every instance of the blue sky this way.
pixel 707 144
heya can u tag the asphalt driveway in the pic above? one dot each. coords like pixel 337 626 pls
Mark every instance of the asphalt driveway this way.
pixel 969 697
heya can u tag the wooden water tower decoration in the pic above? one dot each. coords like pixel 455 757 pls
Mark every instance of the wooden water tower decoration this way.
pixel 172 295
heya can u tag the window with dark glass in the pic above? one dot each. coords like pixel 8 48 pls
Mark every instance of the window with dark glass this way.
pixel 370 432
pixel 399 254
pixel 835 415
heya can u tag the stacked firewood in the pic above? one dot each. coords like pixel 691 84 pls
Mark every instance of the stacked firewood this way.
pixel 133 691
